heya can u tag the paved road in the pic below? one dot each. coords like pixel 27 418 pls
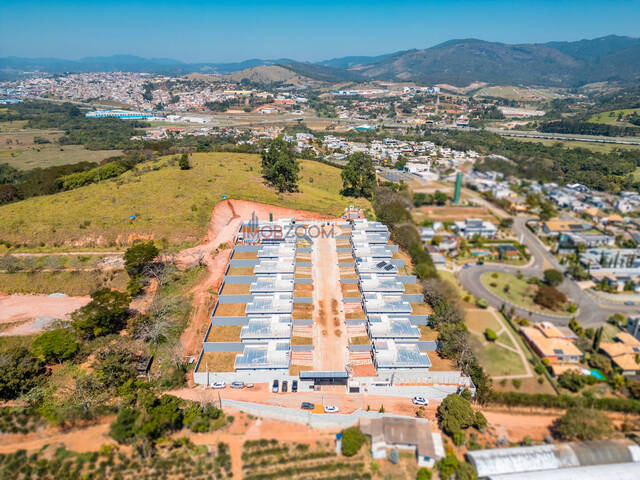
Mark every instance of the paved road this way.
pixel 591 310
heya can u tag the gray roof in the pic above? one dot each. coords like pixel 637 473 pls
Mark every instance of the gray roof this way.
pixel 539 458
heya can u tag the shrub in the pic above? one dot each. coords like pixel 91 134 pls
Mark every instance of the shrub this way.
pixel 490 335
pixel 553 277
pixel 456 414
pixel 352 440
pixel 482 303
pixel 424 474
pixel 549 297
pixel 583 424
pixel 55 345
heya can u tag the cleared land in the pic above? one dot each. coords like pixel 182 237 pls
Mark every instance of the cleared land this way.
pixel 450 214
pixel 169 204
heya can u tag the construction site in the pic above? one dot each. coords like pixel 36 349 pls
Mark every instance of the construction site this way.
pixel 329 304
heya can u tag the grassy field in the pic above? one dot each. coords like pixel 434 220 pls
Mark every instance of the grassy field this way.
pixel 53 155
pixel 594 147
pixel 518 93
pixel 520 292
pixel 495 359
pixel 168 203
pixel 611 117
pixel 72 283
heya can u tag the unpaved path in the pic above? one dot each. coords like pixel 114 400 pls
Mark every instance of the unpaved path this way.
pixel 328 308
pixel 226 218
pixel 88 439
pixel 16 308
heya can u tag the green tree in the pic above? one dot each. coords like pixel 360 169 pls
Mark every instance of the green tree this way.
pixel 424 474
pixel 440 198
pixel 114 367
pixel 138 256
pixel 359 176
pixel 456 414
pixel 20 371
pixel 55 345
pixel 183 162
pixel 123 429
pixel 490 335
pixel 352 440
pixel 583 424
pixel 400 163
pixel 105 314
pixel 553 277
pixel 280 167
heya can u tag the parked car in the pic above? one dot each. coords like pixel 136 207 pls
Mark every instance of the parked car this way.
pixel 237 385
pixel 307 406
pixel 629 302
pixel 284 386
pixel 275 387
pixel 294 386
pixel 331 409
pixel 248 385
pixel 219 385
pixel 480 262
pixel 420 401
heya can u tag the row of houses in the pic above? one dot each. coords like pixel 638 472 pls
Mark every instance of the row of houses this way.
pixel 390 323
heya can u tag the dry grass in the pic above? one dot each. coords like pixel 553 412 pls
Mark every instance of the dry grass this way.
pixel 360 340
pixel 217 362
pixel 231 310
pixel 440 364
pixel 302 290
pixel 412 288
pixel 245 255
pixel 421 308
pixel 168 203
pixel 240 271
pixel 350 290
pixel 295 369
pixel 427 333
pixel 302 311
pixel 226 333
pixel 296 340
pixel 355 313
pixel 236 289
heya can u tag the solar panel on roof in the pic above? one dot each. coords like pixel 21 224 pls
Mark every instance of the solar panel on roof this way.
pixel 388 267
pixel 557 351
pixel 381 264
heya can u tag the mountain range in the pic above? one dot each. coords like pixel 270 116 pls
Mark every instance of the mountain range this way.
pixel 456 62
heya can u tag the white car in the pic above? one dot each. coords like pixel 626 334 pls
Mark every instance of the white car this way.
pixel 420 401
pixel 219 385
pixel 331 409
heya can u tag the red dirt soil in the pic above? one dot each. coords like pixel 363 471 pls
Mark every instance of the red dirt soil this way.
pixel 16 308
pixel 225 222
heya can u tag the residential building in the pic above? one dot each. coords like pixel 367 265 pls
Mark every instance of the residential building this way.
pixel 624 353
pixel 551 343
pixel 475 226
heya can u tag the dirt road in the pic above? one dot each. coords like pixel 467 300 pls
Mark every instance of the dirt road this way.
pixel 330 334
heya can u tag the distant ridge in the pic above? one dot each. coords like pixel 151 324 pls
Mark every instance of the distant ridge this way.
pixel 457 62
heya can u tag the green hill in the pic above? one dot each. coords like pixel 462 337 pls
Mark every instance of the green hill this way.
pixel 170 204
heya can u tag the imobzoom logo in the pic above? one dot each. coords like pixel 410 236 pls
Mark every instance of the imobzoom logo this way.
pixel 253 232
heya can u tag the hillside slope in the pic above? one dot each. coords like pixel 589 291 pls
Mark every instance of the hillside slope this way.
pixel 169 204
pixel 459 62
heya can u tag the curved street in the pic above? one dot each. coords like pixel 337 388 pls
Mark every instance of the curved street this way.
pixel 592 311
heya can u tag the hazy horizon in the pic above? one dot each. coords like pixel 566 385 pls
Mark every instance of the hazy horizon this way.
pixel 222 32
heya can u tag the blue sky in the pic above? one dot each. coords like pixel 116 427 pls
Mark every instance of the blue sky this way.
pixel 304 30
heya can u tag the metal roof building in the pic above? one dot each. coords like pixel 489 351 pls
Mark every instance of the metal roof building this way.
pixel 543 460
pixel 391 354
